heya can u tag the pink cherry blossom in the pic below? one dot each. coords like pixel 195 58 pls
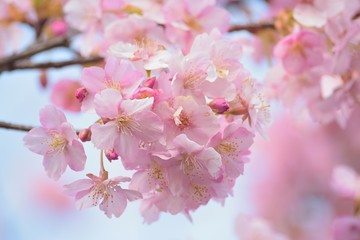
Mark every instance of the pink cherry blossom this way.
pixel 107 193
pixel 119 75
pixel 251 106
pixel 153 54
pixel 57 141
pixel 130 123
pixel 83 15
pixel 233 146
pixel 224 55
pixel 300 51
pixel 318 12
pixel 185 19
pixel 182 182
pixel 197 161
pixel 185 115
pixel 63 95
pixel 134 29
pixel 189 75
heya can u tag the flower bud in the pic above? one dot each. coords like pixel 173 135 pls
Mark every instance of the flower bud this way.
pixel 85 135
pixel 58 27
pixel 104 120
pixel 43 78
pixel 144 92
pixel 111 154
pixel 81 93
pixel 150 82
pixel 219 105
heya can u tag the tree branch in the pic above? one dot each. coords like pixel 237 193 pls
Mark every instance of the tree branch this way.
pixel 15 126
pixel 76 61
pixel 33 49
pixel 253 28
pixel 18 127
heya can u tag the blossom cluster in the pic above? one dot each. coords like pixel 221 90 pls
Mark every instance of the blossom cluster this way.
pixel 174 105
pixel 318 60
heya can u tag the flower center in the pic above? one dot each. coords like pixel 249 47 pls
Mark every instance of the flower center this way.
pixel 58 142
pixel 200 193
pixel 190 163
pixel 194 78
pixel 109 83
pixel 192 24
pixel 182 119
pixel 127 124
pixel 228 148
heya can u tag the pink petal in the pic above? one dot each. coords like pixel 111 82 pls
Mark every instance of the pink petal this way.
pixel 69 132
pixel 294 63
pixel 132 195
pixel 185 144
pixel 51 117
pixel 107 102
pixel 78 186
pixel 309 16
pixel 85 199
pixel 63 95
pixel 75 156
pixel 127 147
pixel 140 182
pixel 196 7
pixel 115 204
pixel 92 78
pixel 136 105
pixel 211 160
pixel 120 179
pixel 55 165
pixel 215 17
pixel 36 140
pixel 151 126
pixel 104 135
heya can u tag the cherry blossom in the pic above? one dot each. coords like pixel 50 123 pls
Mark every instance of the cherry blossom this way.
pixel 107 193
pixel 119 75
pixel 184 19
pixel 129 123
pixel 63 95
pixel 57 141
pixel 300 51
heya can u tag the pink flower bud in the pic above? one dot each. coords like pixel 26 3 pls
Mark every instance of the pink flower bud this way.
pixel 105 120
pixel 85 135
pixel 219 105
pixel 111 155
pixel 144 92
pixel 81 93
pixel 43 78
pixel 347 227
pixel 150 82
pixel 59 27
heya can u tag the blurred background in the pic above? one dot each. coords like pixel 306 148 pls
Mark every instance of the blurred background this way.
pixel 287 182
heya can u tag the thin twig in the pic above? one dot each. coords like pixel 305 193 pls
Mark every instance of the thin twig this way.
pixel 18 127
pixel 76 61
pixel 13 126
pixel 253 28
pixel 35 48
